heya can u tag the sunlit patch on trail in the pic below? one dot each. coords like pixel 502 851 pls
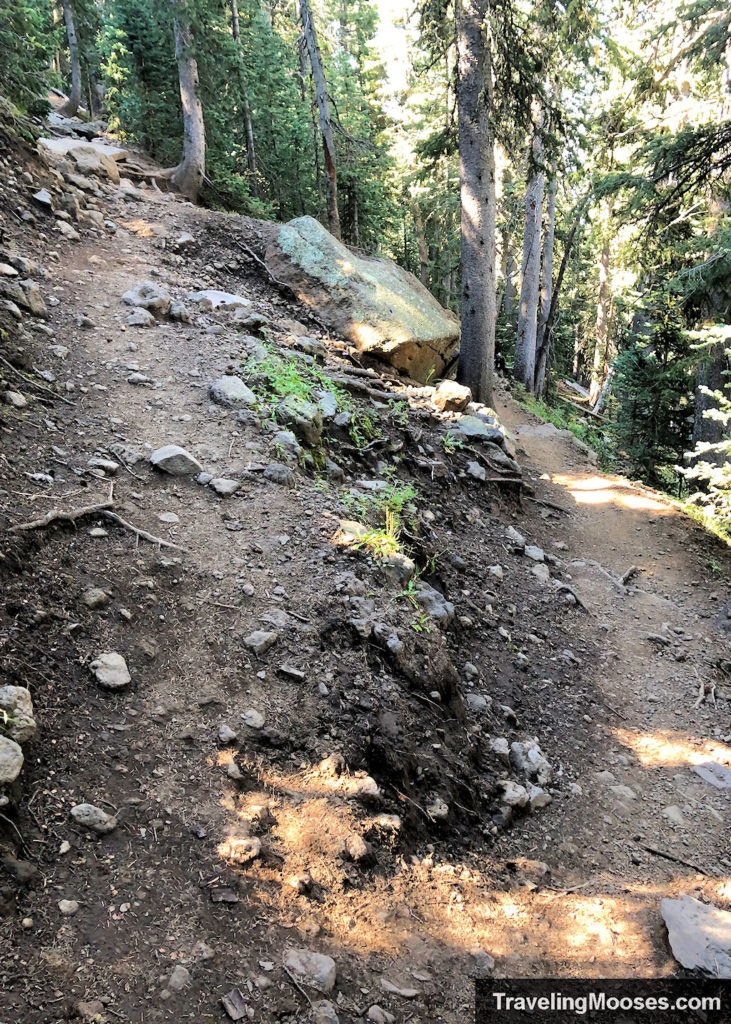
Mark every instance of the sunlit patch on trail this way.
pixel 668 748
pixel 600 490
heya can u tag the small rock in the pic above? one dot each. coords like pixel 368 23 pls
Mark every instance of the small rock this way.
pixel 397 990
pixel 476 471
pixel 179 978
pixel 673 814
pixel 279 474
pixel 15 399
pixel 111 671
pixel 535 553
pixel 226 734
pixel 304 418
pixel 224 487
pixel 253 719
pixel 377 1014
pixel 450 396
pixel 93 818
pixel 210 298
pixel 356 848
pixel 323 1012
pixel 170 518
pixel 514 795
pixel 11 761
pixel 16 702
pixel 148 295
pixel 68 907
pixel 260 641
pixel 312 969
pixel 699 935
pixel 173 459
pixel 434 603
pixel 140 318
pixel 496 571
pixel 231 392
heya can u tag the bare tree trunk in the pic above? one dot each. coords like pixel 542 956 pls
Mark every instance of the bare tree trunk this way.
pixel 509 275
pixel 477 195
pixel 323 106
pixel 71 106
pixel 711 374
pixel 524 365
pixel 601 345
pixel 543 339
pixel 189 174
pixel 305 94
pixel 248 126
pixel 421 243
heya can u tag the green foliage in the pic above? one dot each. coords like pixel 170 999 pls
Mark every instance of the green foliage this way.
pixel 25 35
pixel 654 382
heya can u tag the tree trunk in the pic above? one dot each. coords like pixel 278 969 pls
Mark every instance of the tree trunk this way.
pixel 189 174
pixel 601 346
pixel 71 106
pixel 248 126
pixel 711 374
pixel 323 106
pixel 421 243
pixel 542 338
pixel 509 274
pixel 524 366
pixel 477 196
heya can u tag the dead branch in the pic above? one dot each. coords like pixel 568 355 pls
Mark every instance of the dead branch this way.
pixel 61 516
pixel 33 383
pixel 141 533
pixel 549 504
pixel 676 860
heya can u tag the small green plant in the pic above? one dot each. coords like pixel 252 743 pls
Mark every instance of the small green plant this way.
pixel 384 511
pixel 399 413
pixel 6 721
pixel 452 443
pixel 421 623
pixel 409 592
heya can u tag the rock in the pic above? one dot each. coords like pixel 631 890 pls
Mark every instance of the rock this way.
pixel 232 392
pixel 314 970
pixel 474 427
pixel 93 818
pixel 111 671
pixel 398 567
pixel 184 241
pixel 11 760
pixel 438 810
pixel 179 978
pixel 43 198
pixel 251 321
pixel 210 298
pixel 476 471
pixel 496 571
pixel 379 1015
pixel 303 417
pixel 226 734
pixel 535 553
pixel 717 775
pixel 68 907
pixel 397 990
pixel 541 571
pixel 499 745
pixel 327 403
pixel 514 795
pixel 366 790
pixel 323 1012
pixel 434 603
pixel 450 396
pixel 224 487
pixel 514 537
pixel 148 295
pixel 260 641
pixel 140 318
pixel 279 474
pixel 67 231
pixel 674 815
pixel 538 797
pixel 528 759
pixel 105 465
pixel 699 935
pixel 253 719
pixel 16 702
pixel 179 312
pixel 356 848
pixel 15 399
pixel 376 305
pixel 173 459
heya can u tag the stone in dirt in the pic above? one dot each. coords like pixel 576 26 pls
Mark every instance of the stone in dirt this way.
pixel 434 603
pixel 398 990
pixel 279 474
pixel 304 418
pixel 68 907
pixel 11 760
pixel 699 935
pixel 224 487
pixel 173 459
pixel 140 318
pixel 260 641
pixel 111 671
pixel 148 295
pixel 376 305
pixel 312 969
pixel 179 978
pixel 476 471
pixel 16 702
pixel 231 391
pixel 323 1012
pixel 527 757
pixel 15 399
pixel 717 775
pixel 210 298
pixel 240 850
pixel 93 818
pixel 475 427
pixel 450 396
pixel 377 1014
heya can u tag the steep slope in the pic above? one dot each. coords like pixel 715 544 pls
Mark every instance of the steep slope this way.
pixel 310 754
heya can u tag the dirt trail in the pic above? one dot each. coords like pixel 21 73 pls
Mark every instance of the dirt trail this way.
pixel 433 903
pixel 660 636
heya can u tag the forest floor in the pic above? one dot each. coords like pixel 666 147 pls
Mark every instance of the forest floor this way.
pixel 169 918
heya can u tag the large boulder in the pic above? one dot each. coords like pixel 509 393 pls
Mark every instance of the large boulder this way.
pixel 379 307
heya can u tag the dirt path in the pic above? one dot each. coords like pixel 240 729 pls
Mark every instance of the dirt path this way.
pixel 660 636
pixel 432 901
